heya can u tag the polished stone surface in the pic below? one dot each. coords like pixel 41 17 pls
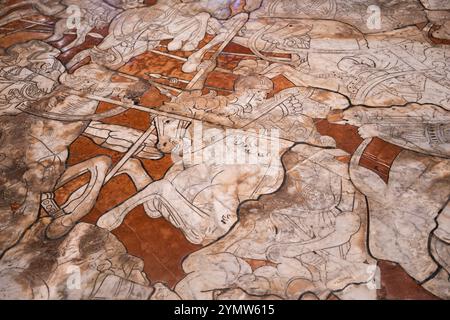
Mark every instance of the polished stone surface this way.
pixel 199 149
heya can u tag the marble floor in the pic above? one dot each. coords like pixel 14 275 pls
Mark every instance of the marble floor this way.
pixel 220 149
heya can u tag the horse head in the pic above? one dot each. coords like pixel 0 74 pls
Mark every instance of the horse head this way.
pixel 170 133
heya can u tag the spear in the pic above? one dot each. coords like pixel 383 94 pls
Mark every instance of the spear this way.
pixel 175 80
pixel 174 56
pixel 197 82
pixel 133 149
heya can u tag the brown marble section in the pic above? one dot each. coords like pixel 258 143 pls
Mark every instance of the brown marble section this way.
pixel 396 284
pixel 353 197
pixel 378 155
pixel 159 244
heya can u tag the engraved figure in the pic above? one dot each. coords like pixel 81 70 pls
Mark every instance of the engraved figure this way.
pixel 308 237
pixel 34 146
pixel 421 128
pixel 92 14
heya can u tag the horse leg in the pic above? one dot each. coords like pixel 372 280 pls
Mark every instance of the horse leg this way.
pixel 108 42
pixel 13 224
pixel 187 32
pixel 182 40
pixel 60 29
pixel 120 51
pixel 82 32
pixel 134 169
pixel 80 56
pixel 82 200
pixel 199 34
pixel 16 15
pixel 252 5
pixel 162 197
pixel 209 272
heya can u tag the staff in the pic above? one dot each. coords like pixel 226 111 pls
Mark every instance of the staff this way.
pixel 196 83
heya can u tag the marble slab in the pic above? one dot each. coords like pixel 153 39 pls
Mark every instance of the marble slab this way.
pixel 199 149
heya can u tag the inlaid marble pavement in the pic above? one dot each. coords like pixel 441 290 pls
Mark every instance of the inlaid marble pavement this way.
pixel 200 149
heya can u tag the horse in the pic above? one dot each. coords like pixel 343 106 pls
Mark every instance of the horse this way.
pixel 88 13
pixel 34 150
pixel 201 197
pixel 301 235
pixel 138 30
